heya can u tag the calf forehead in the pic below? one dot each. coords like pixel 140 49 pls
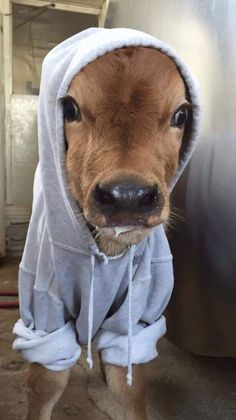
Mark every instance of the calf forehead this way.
pixel 134 78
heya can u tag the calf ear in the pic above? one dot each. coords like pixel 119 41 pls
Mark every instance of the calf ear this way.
pixel 66 145
pixel 64 133
pixel 188 127
pixel 187 133
pixel 65 141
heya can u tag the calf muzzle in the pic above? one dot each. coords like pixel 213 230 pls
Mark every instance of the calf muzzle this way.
pixel 127 197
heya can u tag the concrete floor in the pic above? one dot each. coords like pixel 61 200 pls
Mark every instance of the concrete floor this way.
pixel 180 386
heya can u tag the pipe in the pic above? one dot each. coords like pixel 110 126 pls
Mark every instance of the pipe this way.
pixel 8 293
pixel 9 304
pixel 6 304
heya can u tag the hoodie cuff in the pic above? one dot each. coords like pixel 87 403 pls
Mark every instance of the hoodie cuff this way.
pixel 56 351
pixel 114 347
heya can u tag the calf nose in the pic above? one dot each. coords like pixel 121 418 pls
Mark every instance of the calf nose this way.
pixel 126 196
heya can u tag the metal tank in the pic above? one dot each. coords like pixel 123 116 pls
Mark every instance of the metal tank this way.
pixel 202 313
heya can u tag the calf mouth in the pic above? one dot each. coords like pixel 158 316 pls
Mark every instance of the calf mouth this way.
pixel 125 210
pixel 124 234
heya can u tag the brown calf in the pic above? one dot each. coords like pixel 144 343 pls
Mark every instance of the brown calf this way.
pixel 125 115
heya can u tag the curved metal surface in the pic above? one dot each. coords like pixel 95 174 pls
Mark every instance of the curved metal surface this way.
pixel 202 312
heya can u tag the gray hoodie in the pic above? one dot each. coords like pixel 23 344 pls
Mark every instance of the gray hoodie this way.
pixel 70 292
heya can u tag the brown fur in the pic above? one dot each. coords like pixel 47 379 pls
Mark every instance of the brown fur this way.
pixel 127 99
pixel 44 388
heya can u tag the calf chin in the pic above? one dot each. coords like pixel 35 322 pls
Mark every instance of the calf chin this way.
pixel 113 244
pixel 126 101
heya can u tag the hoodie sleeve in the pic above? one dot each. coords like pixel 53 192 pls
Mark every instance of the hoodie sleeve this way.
pixel 150 295
pixel 45 333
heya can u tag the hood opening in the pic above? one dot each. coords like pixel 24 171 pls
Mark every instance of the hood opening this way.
pixel 59 67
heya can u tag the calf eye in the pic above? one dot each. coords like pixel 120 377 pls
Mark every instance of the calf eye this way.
pixel 180 117
pixel 71 110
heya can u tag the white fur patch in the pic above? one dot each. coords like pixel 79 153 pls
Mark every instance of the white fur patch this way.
pixel 122 229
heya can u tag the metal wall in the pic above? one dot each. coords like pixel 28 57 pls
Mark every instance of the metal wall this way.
pixel 31 42
pixel 202 312
pixel 32 38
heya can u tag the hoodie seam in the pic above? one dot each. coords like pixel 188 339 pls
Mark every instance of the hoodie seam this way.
pixel 161 260
pixel 50 279
pixel 67 247
pixel 26 270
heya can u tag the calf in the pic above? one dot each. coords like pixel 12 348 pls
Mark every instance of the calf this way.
pixel 128 117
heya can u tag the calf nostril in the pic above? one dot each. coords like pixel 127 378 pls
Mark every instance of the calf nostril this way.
pixel 149 195
pixel 103 195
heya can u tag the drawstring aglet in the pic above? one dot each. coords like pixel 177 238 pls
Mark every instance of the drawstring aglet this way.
pixel 90 362
pixel 129 379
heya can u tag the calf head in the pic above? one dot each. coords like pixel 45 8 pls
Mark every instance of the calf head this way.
pixel 125 116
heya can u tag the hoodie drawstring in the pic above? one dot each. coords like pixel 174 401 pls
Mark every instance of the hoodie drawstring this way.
pixel 90 316
pixel 130 329
pixel 91 305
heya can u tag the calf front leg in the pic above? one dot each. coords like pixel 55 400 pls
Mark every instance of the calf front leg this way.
pixel 132 398
pixel 44 388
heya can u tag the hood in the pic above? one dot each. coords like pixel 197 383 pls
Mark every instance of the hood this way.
pixel 59 67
